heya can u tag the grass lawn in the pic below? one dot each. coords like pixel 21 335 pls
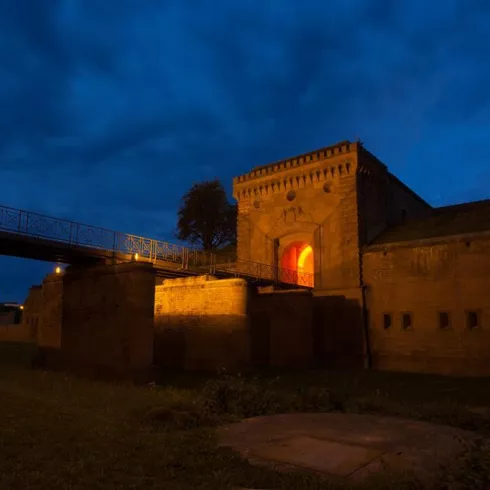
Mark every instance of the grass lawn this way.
pixel 58 432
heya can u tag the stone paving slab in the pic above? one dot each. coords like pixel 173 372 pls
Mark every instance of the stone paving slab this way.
pixel 309 452
pixel 346 445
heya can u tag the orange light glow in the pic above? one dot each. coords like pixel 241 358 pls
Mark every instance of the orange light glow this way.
pixel 58 270
pixel 298 257
pixel 303 256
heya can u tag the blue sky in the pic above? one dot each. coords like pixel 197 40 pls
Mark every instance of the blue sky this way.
pixel 110 110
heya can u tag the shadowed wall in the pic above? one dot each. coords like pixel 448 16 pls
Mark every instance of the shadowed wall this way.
pixel 281 329
pixel 19 332
pixel 420 282
pixel 108 320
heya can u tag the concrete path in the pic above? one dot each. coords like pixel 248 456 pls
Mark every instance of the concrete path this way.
pixel 346 445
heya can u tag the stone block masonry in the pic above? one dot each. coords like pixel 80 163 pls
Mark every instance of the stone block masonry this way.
pixel 33 308
pixel 49 331
pixel 201 323
pixel 108 320
pixel 429 307
pixel 302 200
pixel 19 332
pixel 205 324
pixel 339 337
pixel 43 312
pixel 281 329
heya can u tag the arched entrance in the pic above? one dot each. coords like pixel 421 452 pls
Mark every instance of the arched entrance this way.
pixel 298 257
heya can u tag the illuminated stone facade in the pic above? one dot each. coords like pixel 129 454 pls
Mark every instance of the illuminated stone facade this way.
pixel 397 284
pixel 333 200
pixel 201 323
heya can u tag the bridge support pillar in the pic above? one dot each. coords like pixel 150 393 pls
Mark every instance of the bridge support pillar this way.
pixel 49 335
pixel 48 330
pixel 108 315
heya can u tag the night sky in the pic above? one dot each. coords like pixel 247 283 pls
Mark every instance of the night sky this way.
pixel 111 109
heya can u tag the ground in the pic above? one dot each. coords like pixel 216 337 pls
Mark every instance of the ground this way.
pixel 61 432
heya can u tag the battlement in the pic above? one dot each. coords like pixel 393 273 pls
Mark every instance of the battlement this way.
pixel 343 147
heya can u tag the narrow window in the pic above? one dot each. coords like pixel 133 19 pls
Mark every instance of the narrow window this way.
pixel 444 320
pixel 406 321
pixel 386 321
pixel 473 319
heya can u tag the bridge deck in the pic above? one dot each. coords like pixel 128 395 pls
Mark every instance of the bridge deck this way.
pixel 34 236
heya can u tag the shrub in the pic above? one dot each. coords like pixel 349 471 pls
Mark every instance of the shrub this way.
pixel 239 397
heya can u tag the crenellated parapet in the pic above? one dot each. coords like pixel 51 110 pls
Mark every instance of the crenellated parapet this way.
pixel 312 168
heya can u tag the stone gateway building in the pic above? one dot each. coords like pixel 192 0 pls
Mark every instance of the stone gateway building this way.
pixel 398 285
pixel 392 284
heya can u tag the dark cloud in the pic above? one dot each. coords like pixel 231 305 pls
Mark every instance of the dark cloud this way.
pixel 110 110
pixel 33 72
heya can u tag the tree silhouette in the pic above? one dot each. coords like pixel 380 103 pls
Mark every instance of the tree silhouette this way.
pixel 206 218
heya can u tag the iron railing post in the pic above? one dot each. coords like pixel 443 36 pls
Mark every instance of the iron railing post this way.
pixel 185 258
pixel 19 222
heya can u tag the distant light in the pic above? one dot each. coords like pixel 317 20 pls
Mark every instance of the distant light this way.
pixel 58 270
pixel 21 307
pixel 136 256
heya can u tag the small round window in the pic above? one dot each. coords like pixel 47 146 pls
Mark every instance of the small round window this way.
pixel 291 195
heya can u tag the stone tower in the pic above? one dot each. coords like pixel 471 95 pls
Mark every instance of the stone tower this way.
pixel 314 212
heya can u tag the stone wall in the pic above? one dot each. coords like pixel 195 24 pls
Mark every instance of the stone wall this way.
pixel 338 326
pixel 383 200
pixel 50 322
pixel 415 285
pixel 19 332
pixel 302 328
pixel 108 319
pixel 33 306
pixel 281 329
pixel 9 317
pixel 43 315
pixel 201 323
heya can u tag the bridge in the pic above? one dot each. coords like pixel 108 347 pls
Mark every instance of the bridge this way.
pixel 32 235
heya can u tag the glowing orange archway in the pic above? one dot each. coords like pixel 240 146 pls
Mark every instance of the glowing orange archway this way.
pixel 298 257
pixel 305 259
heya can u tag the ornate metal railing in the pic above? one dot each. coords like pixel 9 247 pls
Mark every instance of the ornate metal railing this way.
pixel 40 226
pixel 265 271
